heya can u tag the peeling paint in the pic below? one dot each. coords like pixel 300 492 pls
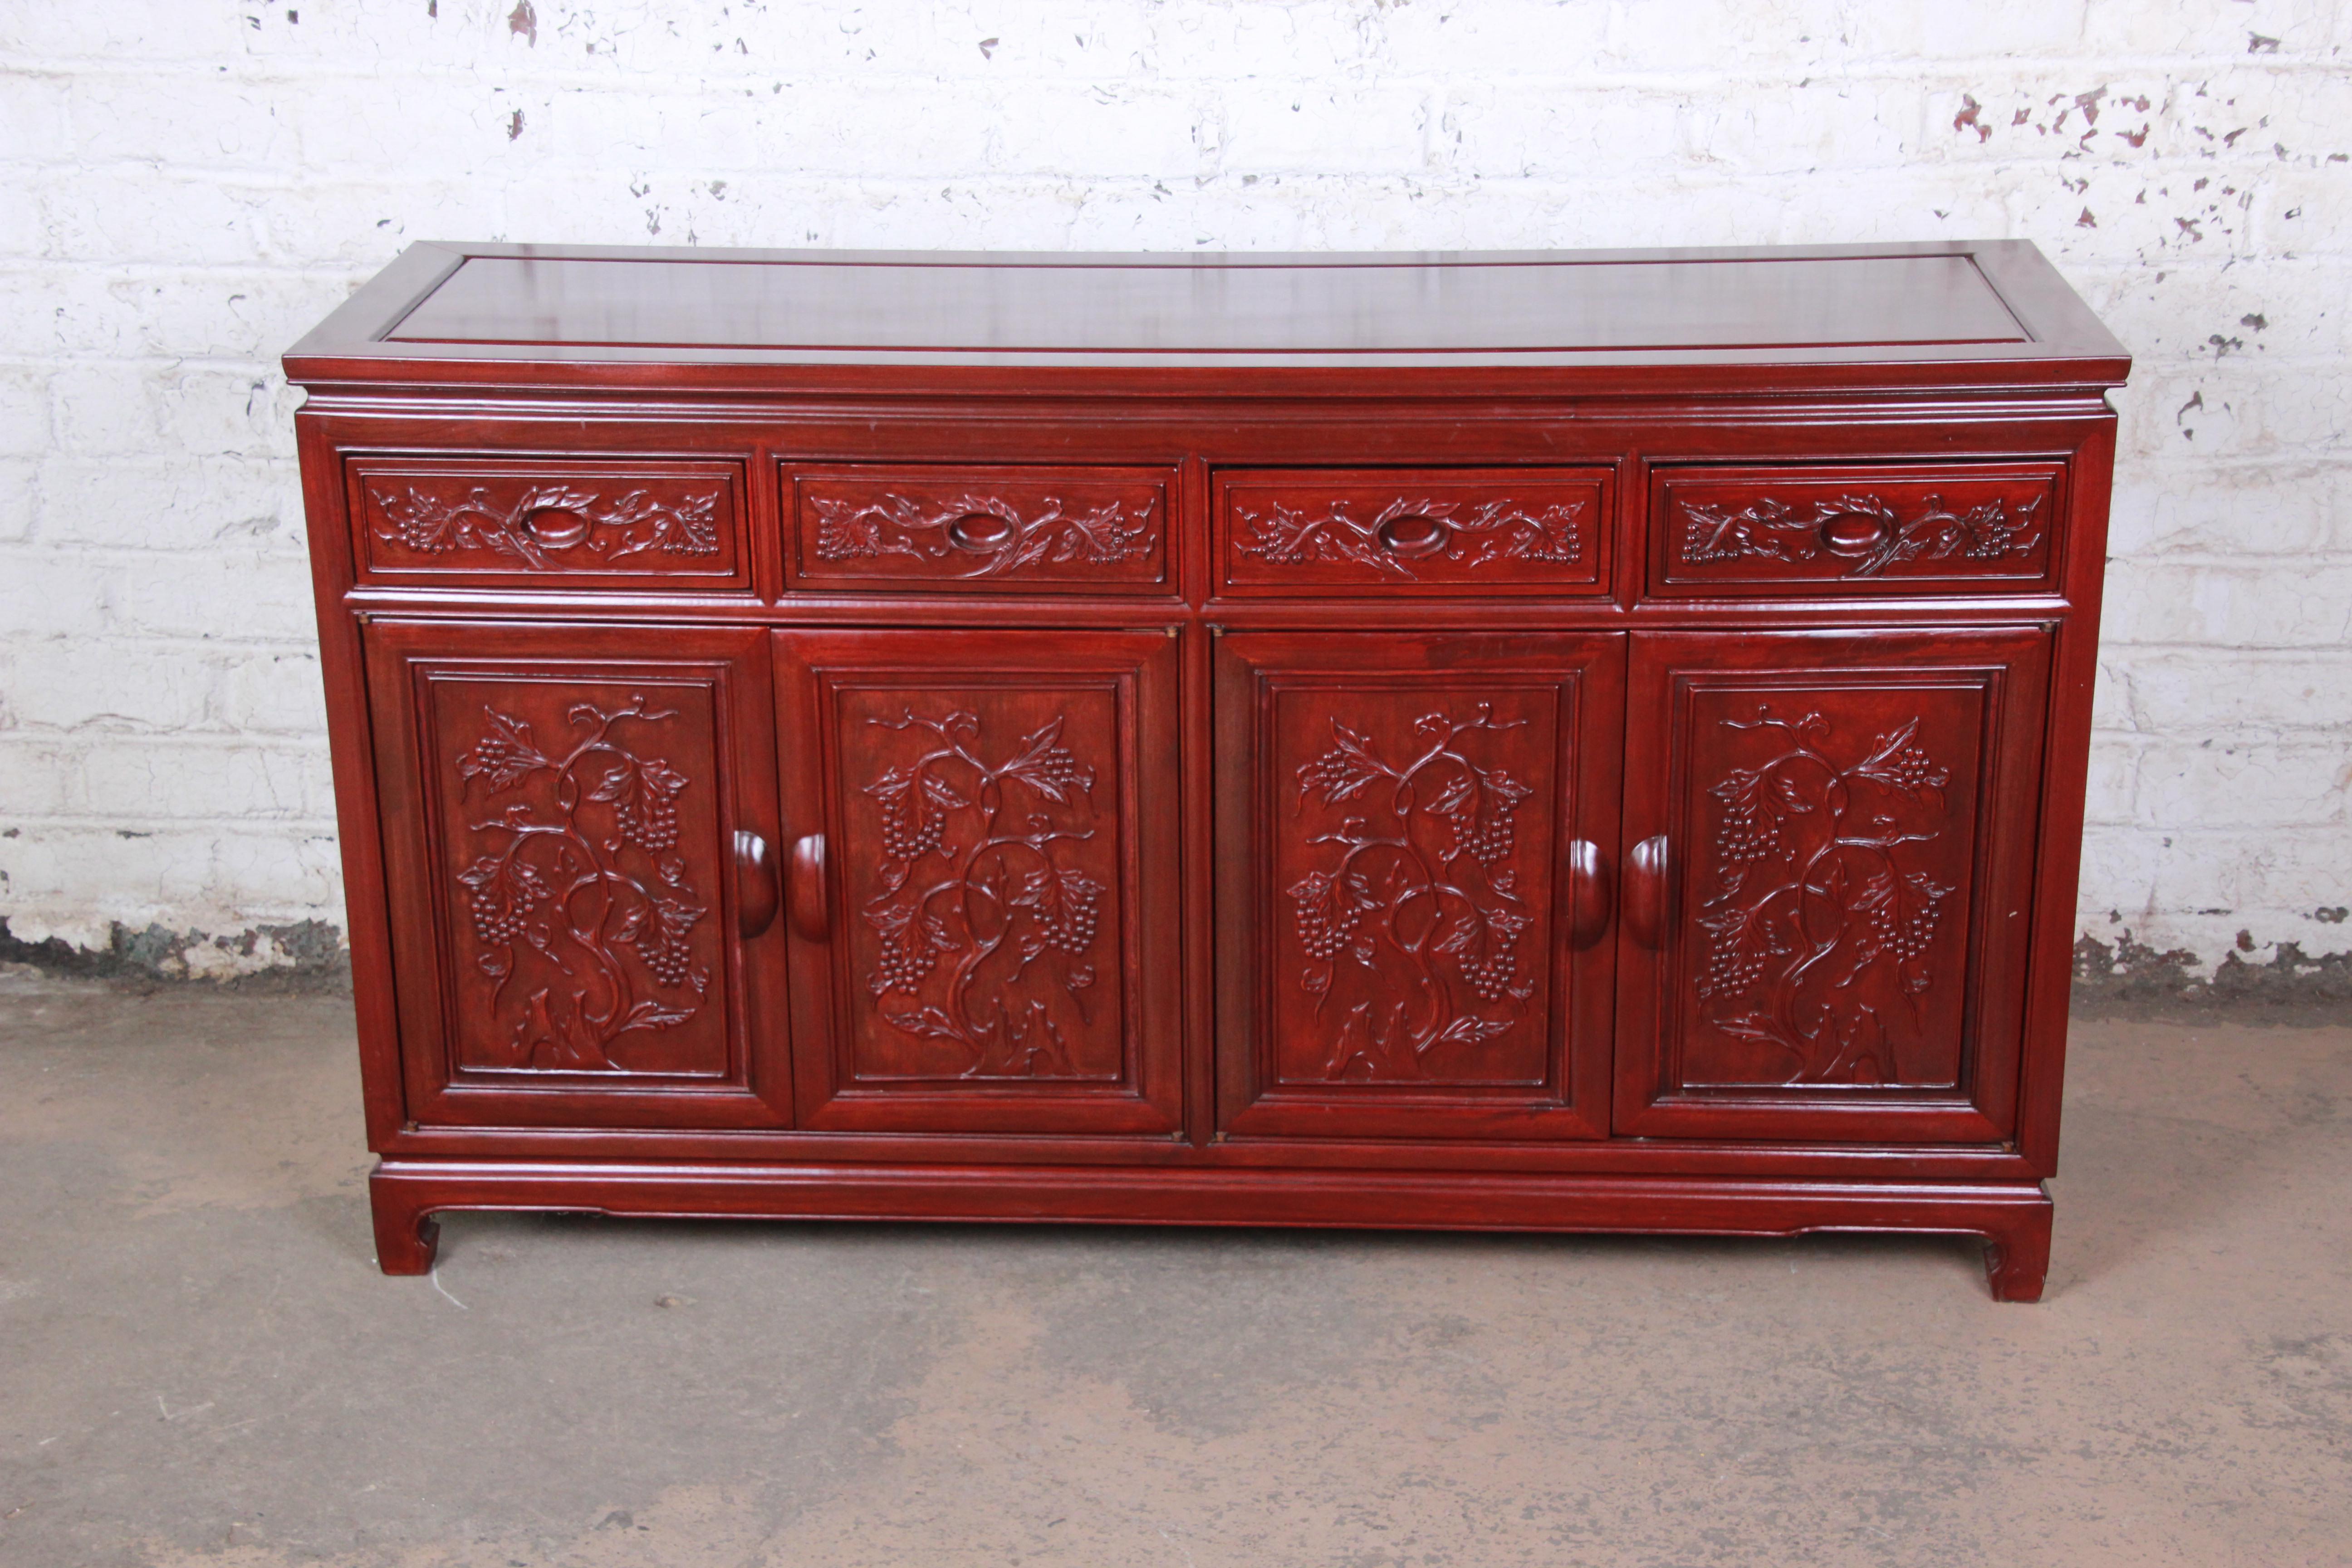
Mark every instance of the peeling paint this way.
pixel 302 955
pixel 2130 976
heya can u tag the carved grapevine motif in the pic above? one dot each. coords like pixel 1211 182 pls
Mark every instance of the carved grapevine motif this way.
pixel 551 882
pixel 995 887
pixel 1806 873
pixel 1407 530
pixel 993 532
pixel 1420 895
pixel 1861 529
pixel 549 523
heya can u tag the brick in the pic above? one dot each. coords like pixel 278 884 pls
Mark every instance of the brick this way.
pixel 44 594
pixel 275 693
pixel 2273 606
pixel 2258 693
pixel 1285 126
pixel 99 873
pixel 109 217
pixel 265 598
pixel 39 777
pixel 2114 779
pixel 2162 511
pixel 2262 784
pixel 151 501
pixel 169 778
pixel 199 116
pixel 23 411
pixel 19 499
pixel 117 33
pixel 75 683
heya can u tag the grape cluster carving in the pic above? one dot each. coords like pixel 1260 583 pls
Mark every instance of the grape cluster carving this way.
pixel 1810 865
pixel 971 878
pixel 1420 900
pixel 564 891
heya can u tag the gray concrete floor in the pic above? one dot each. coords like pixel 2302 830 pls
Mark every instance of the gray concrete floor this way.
pixel 200 1365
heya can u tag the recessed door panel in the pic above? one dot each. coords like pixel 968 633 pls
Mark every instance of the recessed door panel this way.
pixel 991 942
pixel 1829 840
pixel 562 817
pixel 1411 894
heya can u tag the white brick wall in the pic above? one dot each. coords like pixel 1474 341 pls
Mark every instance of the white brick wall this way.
pixel 191 183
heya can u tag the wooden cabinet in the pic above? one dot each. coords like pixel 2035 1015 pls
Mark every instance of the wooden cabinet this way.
pixel 572 924
pixel 1411 896
pixel 1531 742
pixel 984 872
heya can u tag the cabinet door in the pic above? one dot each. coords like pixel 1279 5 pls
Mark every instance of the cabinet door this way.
pixel 1829 883
pixel 1411 899
pixel 570 908
pixel 983 850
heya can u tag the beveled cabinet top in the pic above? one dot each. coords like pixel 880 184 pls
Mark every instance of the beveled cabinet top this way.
pixel 1939 314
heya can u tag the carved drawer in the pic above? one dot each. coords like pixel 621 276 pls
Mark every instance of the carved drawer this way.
pixel 1855 529
pixel 626 522
pixel 979 530
pixel 1414 531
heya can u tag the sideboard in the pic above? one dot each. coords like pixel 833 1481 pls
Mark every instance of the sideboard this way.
pixel 1557 740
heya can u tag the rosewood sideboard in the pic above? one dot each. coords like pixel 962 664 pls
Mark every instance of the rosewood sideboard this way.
pixel 1581 740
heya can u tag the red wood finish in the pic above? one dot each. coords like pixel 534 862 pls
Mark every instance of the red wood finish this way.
pixel 2015 1221
pixel 1555 741
pixel 1846 827
pixel 563 809
pixel 1402 821
pixel 498 521
pixel 1863 529
pixel 999 870
pixel 1413 532
pixel 981 530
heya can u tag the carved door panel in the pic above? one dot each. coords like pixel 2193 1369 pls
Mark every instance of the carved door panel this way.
pixel 983 880
pixel 1412 895
pixel 1829 843
pixel 575 826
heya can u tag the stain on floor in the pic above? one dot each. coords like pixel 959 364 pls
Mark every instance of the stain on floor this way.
pixel 205 1369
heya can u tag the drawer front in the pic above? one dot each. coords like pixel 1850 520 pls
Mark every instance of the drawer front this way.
pixel 979 530
pixel 1405 531
pixel 634 523
pixel 1855 529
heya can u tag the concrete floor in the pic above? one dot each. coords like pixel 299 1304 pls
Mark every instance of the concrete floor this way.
pixel 200 1365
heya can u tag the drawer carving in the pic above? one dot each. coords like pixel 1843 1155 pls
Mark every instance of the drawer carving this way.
pixel 1429 532
pixel 982 531
pixel 1411 529
pixel 492 519
pixel 1854 530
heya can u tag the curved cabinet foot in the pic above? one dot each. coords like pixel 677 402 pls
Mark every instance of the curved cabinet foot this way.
pixel 406 1236
pixel 2017 1257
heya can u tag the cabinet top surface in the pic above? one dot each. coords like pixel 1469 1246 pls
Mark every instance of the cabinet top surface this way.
pixel 1994 306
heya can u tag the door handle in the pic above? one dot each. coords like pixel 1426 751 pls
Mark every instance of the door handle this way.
pixel 805 886
pixel 1588 894
pixel 755 884
pixel 1646 892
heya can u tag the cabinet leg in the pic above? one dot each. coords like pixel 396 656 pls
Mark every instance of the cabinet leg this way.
pixel 2017 1257
pixel 405 1234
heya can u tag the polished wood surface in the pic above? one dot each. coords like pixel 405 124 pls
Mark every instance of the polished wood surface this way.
pixel 1220 305
pixel 1525 742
